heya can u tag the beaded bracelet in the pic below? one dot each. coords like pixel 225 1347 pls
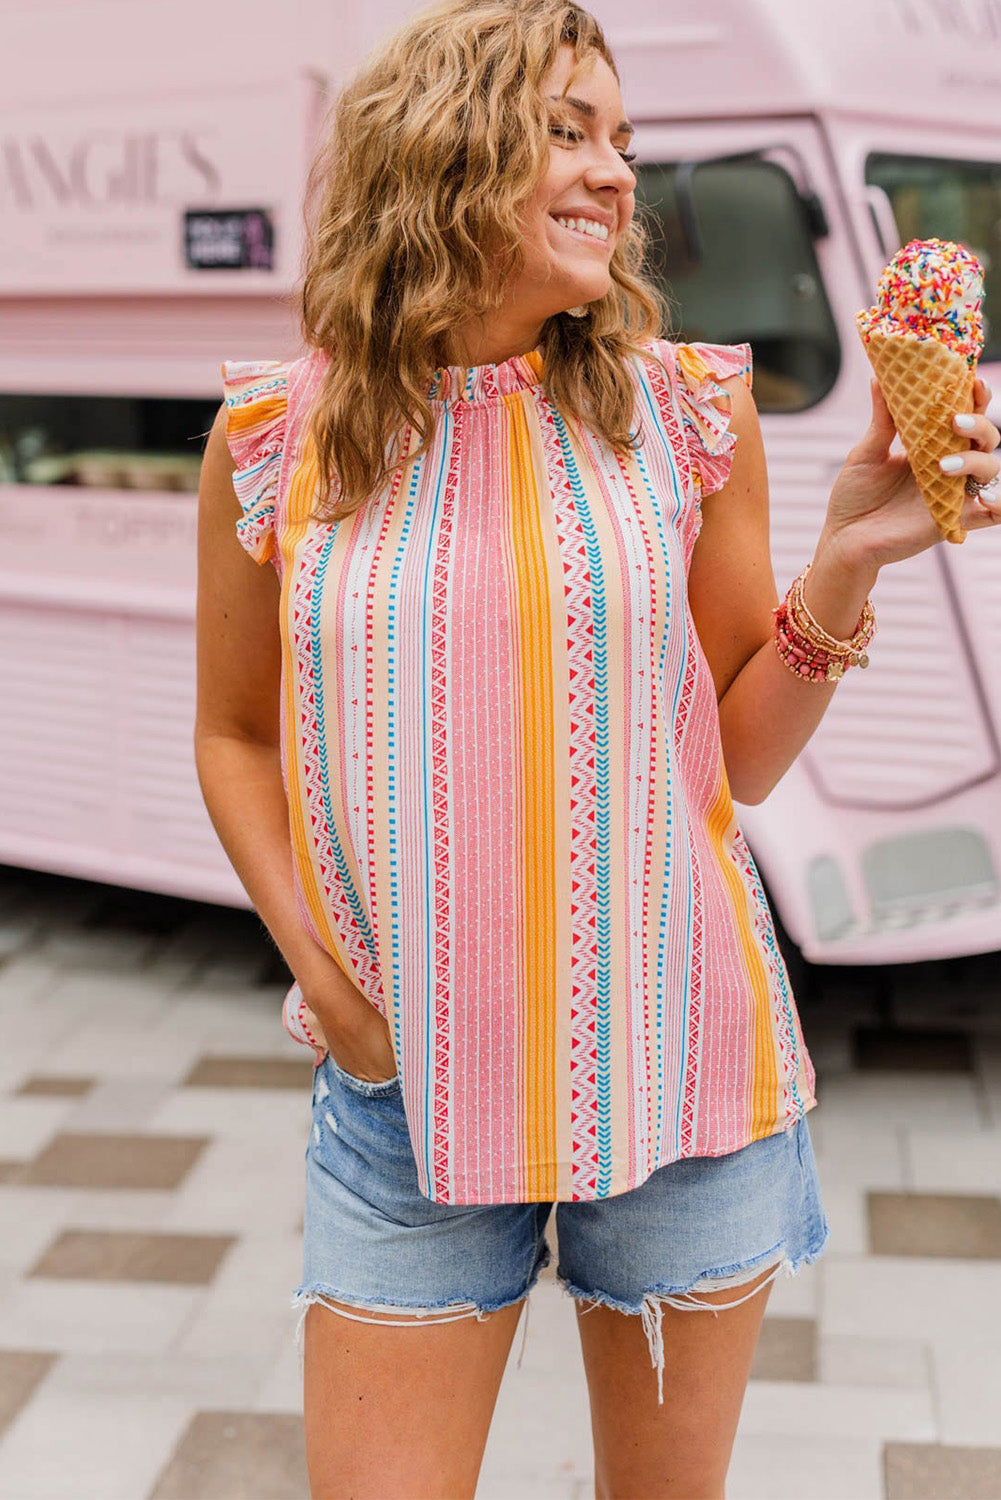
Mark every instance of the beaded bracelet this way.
pixel 805 646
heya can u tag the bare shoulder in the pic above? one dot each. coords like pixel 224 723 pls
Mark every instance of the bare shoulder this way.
pixel 217 459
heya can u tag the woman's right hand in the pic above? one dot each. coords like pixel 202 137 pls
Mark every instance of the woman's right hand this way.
pixel 349 1026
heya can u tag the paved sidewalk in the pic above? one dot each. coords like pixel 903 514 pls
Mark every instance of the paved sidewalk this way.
pixel 153 1119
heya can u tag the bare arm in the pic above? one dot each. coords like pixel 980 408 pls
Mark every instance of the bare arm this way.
pixel 238 757
pixel 767 715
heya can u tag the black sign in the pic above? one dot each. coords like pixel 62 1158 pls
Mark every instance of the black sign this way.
pixel 229 239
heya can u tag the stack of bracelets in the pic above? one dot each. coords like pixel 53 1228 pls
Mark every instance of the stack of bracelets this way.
pixel 807 649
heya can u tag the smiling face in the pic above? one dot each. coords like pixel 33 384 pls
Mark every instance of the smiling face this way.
pixel 572 222
pixel 586 199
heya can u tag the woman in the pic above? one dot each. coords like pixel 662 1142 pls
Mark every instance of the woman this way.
pixel 470 744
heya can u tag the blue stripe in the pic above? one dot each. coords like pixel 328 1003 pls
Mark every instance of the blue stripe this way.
pixel 341 864
pixel 656 424
pixel 603 803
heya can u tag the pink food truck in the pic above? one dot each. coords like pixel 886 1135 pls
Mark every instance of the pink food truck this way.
pixel 150 208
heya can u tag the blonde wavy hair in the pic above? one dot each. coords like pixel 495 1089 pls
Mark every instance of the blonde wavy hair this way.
pixel 426 158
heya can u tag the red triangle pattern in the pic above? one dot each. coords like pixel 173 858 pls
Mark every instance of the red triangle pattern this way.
pixel 441 920
pixel 691 522
pixel 583 830
pixel 335 901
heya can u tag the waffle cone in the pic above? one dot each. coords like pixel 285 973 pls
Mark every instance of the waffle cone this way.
pixel 924 385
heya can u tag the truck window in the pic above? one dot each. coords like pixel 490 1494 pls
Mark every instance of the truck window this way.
pixel 106 442
pixel 935 198
pixel 757 279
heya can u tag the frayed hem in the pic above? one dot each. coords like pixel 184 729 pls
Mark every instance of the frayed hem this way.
pixel 448 1312
pixel 651 1307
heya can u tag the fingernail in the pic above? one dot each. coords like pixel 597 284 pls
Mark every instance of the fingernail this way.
pixel 952 464
pixel 966 423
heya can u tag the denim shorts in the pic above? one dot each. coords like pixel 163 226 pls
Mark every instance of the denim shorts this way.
pixel 373 1241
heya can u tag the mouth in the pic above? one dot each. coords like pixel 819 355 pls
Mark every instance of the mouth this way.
pixel 596 234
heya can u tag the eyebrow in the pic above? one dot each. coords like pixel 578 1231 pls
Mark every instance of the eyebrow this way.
pixel 588 110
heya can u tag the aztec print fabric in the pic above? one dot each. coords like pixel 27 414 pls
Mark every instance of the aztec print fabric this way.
pixel 510 817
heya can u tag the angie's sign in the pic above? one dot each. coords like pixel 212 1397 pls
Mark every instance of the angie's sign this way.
pixel 39 171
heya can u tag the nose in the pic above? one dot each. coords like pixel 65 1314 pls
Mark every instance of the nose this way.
pixel 608 170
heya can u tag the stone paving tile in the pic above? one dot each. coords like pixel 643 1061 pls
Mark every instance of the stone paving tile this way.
pixel 888 1296
pixel 88 1317
pixel 21 1372
pixel 954 1225
pixel 853 1411
pixel 222 1454
pixel 125 1048
pixel 92 1255
pixel 27 1126
pixel 221 1196
pixel 967 1381
pixel 224 1380
pixel 850 1153
pixel 805 1466
pixel 227 1113
pixel 252 1073
pixel 119 1105
pixel 78 1159
pixel 83 1447
pixel 851 1359
pixel 964 1161
pixel 40 1084
pixel 946 1101
pixel 786 1350
pixel 928 1471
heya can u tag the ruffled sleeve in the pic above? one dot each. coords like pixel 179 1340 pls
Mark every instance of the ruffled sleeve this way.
pixel 706 407
pixel 256 394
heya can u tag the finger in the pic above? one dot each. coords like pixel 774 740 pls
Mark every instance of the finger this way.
pixel 982 511
pixel 981 432
pixel 875 443
pixel 983 467
pixel 982 394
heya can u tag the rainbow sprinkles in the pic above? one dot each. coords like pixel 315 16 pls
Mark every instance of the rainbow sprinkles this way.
pixel 931 289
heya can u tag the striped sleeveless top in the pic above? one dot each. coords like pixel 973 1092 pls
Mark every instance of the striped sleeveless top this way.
pixel 510 817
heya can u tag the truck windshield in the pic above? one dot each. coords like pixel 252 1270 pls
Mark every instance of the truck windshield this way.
pixel 935 198
pixel 753 279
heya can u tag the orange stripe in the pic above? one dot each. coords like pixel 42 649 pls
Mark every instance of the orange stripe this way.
pixel 531 610
pixel 721 823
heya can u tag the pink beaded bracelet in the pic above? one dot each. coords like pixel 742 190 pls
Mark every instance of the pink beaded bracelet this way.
pixel 805 646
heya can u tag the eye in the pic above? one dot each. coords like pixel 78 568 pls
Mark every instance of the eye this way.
pixel 567 132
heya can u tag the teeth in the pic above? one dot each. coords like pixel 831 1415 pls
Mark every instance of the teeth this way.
pixel 584 226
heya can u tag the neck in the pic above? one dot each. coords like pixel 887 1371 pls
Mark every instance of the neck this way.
pixel 478 342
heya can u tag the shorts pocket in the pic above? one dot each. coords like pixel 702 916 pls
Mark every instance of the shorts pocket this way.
pixel 383 1089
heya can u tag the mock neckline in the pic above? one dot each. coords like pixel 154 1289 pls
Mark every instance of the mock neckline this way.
pixel 457 383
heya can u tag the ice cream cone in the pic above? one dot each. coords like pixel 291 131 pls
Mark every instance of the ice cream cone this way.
pixel 925 384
